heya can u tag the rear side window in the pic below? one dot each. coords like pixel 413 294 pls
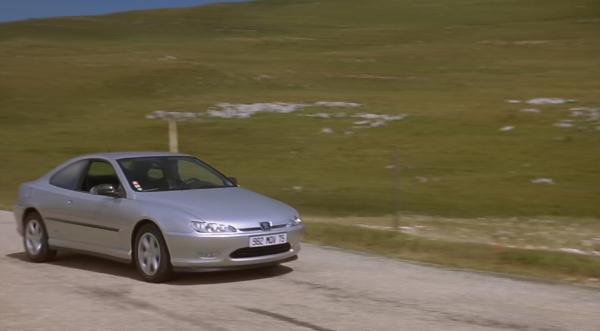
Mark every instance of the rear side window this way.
pixel 69 177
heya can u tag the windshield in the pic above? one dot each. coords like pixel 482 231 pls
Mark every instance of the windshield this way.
pixel 171 173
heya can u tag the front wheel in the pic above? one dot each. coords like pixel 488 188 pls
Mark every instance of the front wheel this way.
pixel 151 256
pixel 35 239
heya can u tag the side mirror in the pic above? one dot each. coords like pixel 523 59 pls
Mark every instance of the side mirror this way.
pixel 233 180
pixel 106 189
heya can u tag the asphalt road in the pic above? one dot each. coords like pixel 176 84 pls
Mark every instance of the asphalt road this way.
pixel 326 289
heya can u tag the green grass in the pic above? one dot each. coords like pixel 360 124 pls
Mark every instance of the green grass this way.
pixel 547 233
pixel 76 85
pixel 540 264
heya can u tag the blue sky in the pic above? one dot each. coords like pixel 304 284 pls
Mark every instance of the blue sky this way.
pixel 13 10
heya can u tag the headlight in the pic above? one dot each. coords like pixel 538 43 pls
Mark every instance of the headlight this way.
pixel 294 222
pixel 207 227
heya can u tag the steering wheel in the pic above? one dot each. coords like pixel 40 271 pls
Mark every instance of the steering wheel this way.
pixel 191 180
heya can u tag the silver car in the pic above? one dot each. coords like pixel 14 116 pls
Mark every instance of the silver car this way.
pixel 162 211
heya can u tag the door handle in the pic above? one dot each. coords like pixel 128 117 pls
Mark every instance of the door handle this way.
pixel 69 202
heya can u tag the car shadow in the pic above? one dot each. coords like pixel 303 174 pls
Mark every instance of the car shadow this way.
pixel 233 276
pixel 105 266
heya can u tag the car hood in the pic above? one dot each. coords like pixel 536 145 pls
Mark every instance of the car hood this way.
pixel 232 205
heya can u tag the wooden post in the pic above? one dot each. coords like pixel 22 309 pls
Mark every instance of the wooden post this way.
pixel 396 188
pixel 173 143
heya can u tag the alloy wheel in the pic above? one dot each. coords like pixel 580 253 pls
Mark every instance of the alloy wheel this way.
pixel 33 237
pixel 149 253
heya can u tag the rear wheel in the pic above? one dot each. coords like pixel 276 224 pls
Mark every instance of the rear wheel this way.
pixel 151 256
pixel 35 239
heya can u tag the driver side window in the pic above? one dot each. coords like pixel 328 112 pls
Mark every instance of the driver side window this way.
pixel 100 172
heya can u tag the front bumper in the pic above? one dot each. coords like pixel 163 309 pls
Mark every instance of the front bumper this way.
pixel 208 252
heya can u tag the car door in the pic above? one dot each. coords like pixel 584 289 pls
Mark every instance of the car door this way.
pixel 99 220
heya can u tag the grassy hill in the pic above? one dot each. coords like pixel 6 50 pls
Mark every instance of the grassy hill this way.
pixel 84 84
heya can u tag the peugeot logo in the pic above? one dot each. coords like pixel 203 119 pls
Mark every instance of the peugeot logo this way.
pixel 265 226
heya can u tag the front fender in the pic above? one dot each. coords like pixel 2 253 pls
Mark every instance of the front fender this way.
pixel 167 218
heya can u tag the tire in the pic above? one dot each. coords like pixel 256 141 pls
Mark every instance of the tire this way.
pixel 151 256
pixel 35 239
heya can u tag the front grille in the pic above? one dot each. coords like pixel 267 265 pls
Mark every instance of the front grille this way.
pixel 260 251
pixel 259 229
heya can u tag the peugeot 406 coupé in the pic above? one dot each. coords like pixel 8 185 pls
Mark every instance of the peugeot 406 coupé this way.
pixel 161 211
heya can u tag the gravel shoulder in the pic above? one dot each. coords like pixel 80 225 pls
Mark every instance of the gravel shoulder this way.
pixel 326 289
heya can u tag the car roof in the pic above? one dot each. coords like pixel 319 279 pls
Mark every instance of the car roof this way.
pixel 112 156
pixel 125 155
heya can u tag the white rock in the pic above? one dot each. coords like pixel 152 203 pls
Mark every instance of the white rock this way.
pixel 326 130
pixel 337 104
pixel 242 111
pixel 408 229
pixel 422 179
pixel 577 113
pixel 263 77
pixel 229 110
pixel 375 120
pixel 232 110
pixel 584 109
pixel 339 115
pixel 591 114
pixel 161 114
pixel 530 110
pixel 548 101
pixel 326 115
pixel 319 115
pixel 168 58
pixel 545 181
pixel 513 101
pixel 563 124
pixel 375 124
pixel 573 251
pixel 507 128
pixel 384 117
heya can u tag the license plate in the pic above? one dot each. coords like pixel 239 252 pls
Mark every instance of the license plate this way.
pixel 268 240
